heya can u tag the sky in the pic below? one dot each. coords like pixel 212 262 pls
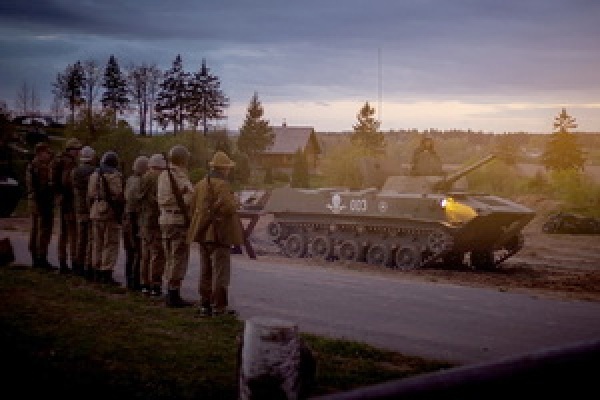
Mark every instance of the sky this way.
pixel 492 66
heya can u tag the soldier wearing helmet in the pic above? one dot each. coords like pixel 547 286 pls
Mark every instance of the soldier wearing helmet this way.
pixel 105 193
pixel 131 230
pixel 80 177
pixel 174 182
pixel 425 160
pixel 61 170
pixel 40 196
pixel 216 226
pixel 152 263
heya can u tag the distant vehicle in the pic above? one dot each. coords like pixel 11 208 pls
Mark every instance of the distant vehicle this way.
pixel 571 223
pixel 18 138
pixel 411 222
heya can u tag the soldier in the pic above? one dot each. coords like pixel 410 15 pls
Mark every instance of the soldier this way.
pixel 61 171
pixel 131 231
pixel 105 192
pixel 152 264
pixel 40 196
pixel 425 159
pixel 216 225
pixel 80 177
pixel 174 183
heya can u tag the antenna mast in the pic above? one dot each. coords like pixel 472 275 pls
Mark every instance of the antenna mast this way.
pixel 379 86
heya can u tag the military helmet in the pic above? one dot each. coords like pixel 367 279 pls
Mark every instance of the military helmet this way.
pixel 221 160
pixel 179 155
pixel 157 161
pixel 110 159
pixel 140 165
pixel 73 144
pixel 87 154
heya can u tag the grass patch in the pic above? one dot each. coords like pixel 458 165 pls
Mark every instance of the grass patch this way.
pixel 65 336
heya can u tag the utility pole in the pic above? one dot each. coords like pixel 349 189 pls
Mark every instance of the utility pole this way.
pixel 379 86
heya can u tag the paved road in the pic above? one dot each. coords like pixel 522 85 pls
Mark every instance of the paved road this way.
pixel 448 322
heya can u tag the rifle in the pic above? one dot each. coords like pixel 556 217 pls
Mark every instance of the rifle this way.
pixel 177 194
pixel 212 207
pixel 118 207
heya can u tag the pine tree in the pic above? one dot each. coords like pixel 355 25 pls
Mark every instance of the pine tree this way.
pixel 562 151
pixel 300 173
pixel 115 89
pixel 366 135
pixel 171 102
pixel 255 134
pixel 69 87
pixel 206 99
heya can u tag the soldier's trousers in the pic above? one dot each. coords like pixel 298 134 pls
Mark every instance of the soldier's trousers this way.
pixel 67 236
pixel 177 252
pixel 40 234
pixel 215 276
pixel 106 234
pixel 84 241
pixel 152 260
pixel 132 247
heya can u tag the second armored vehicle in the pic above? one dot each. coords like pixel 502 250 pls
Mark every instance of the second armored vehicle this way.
pixel 411 222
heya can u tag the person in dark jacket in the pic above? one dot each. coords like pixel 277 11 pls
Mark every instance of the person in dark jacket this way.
pixel 40 196
pixel 61 171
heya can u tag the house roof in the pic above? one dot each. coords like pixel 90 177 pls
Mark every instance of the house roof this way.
pixel 288 139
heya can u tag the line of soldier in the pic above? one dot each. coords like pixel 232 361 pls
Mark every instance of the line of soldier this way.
pixel 158 212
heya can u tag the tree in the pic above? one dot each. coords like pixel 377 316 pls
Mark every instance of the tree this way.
pixel 300 173
pixel 138 80
pixel 366 135
pixel 206 100
pixel 115 94
pixel 508 148
pixel 562 151
pixel 171 103
pixel 91 85
pixel 255 134
pixel 154 75
pixel 28 102
pixel 69 87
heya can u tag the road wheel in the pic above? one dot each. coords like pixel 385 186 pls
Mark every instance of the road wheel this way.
pixel 407 257
pixel 350 250
pixel 454 259
pixel 439 241
pixel 321 247
pixel 295 246
pixel 275 231
pixel 378 255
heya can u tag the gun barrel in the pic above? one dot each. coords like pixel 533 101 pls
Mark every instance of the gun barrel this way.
pixel 452 178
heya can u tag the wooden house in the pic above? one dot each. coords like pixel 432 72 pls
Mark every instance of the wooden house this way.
pixel 288 139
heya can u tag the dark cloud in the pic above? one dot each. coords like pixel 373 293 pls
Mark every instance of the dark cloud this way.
pixel 322 50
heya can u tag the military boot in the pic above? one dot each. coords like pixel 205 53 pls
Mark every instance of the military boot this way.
pixel 64 268
pixel 174 300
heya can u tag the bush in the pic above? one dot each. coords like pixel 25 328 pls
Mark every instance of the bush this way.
pixel 577 190
pixel 340 168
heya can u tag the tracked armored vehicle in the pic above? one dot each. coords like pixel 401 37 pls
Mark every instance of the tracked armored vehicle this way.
pixel 410 222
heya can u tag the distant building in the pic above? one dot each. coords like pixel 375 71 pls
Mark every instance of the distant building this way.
pixel 288 139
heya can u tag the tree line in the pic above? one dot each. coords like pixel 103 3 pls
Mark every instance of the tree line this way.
pixel 173 98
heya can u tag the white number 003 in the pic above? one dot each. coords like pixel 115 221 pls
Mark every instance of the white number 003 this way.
pixel 358 205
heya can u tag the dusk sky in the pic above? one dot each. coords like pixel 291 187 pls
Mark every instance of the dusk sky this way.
pixel 496 66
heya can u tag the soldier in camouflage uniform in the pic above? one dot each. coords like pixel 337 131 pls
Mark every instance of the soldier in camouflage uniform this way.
pixel 61 171
pixel 152 264
pixel 171 220
pixel 131 230
pixel 105 221
pixel 40 196
pixel 80 177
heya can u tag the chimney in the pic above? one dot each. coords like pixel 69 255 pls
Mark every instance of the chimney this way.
pixel 284 124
